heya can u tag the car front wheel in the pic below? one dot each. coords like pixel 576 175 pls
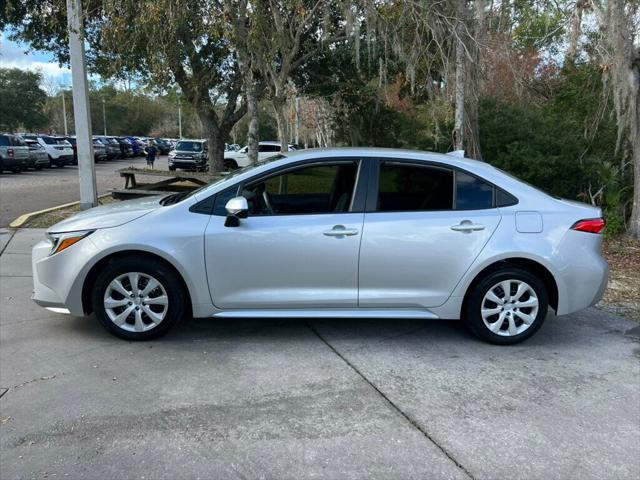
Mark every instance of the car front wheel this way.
pixel 507 306
pixel 138 299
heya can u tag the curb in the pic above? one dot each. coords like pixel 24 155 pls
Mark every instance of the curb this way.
pixel 25 217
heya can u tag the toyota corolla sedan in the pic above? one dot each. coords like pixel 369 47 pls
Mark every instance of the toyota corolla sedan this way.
pixel 333 233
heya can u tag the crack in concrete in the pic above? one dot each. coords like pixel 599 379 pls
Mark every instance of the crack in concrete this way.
pixel 3 391
pixel 11 234
pixel 39 379
pixel 413 422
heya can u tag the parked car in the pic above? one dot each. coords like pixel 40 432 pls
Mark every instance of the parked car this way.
pixel 14 153
pixel 38 155
pixel 162 145
pixel 137 145
pixel 99 151
pixel 126 149
pixel 190 155
pixel 331 233
pixel 240 158
pixel 74 145
pixel 112 147
pixel 59 151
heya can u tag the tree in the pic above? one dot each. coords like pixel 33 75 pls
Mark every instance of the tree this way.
pixel 621 70
pixel 160 42
pixel 286 35
pixel 22 100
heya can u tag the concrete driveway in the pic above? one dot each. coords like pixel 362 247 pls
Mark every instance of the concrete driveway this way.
pixel 311 399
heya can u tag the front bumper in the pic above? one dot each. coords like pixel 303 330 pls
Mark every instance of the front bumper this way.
pixel 187 164
pixel 57 279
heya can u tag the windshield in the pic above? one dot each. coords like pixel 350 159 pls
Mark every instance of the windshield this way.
pixel 189 146
pixel 176 197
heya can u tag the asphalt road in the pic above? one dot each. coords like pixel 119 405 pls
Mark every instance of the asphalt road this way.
pixel 336 399
pixel 35 190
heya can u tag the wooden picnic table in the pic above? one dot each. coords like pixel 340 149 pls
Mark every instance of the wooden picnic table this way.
pixel 134 187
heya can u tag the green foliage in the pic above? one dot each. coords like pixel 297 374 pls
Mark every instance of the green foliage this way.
pixel 566 146
pixel 22 100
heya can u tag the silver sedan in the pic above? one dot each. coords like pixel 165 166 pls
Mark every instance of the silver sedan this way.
pixel 331 233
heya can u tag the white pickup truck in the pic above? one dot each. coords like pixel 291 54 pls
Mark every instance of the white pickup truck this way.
pixel 240 158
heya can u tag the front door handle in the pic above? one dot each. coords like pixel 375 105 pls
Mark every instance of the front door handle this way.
pixel 340 231
pixel 467 226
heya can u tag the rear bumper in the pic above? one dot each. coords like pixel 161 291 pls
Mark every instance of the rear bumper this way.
pixel 585 273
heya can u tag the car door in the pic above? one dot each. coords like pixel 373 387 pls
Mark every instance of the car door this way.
pixel 298 247
pixel 424 226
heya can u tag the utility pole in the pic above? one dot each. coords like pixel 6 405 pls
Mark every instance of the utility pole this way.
pixel 82 114
pixel 104 118
pixel 179 120
pixel 64 113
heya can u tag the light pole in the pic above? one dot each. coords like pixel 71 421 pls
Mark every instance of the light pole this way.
pixel 179 119
pixel 104 118
pixel 64 113
pixel 81 109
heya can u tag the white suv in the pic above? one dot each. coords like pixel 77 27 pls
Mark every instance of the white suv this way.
pixel 60 151
pixel 240 158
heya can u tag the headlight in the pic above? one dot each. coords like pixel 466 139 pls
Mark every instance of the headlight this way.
pixel 62 241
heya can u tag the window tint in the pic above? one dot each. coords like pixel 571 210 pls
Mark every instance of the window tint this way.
pixel 406 187
pixel 269 148
pixel 4 141
pixel 504 199
pixel 472 193
pixel 306 190
pixel 221 200
pixel 49 140
pixel 189 146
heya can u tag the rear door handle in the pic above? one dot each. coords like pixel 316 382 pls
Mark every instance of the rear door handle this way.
pixel 340 231
pixel 467 226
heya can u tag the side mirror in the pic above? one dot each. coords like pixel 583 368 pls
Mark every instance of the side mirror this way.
pixel 237 208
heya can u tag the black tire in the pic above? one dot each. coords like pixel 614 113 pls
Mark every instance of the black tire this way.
pixel 172 169
pixel 230 164
pixel 16 170
pixel 177 297
pixel 50 162
pixel 60 165
pixel 38 167
pixel 473 317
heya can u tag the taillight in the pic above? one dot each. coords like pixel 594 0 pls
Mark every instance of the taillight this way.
pixel 590 225
pixel 10 152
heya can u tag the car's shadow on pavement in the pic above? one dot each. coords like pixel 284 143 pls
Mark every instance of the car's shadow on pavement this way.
pixel 557 332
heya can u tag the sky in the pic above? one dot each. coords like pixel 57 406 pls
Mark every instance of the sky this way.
pixel 14 55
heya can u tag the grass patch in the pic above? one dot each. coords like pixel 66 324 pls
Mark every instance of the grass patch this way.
pixel 623 291
pixel 48 219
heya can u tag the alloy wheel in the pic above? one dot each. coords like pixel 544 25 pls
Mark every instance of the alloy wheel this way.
pixel 509 308
pixel 136 302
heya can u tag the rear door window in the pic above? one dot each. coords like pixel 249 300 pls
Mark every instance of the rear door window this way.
pixel 472 193
pixel 406 187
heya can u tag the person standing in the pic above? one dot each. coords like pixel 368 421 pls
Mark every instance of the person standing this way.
pixel 151 152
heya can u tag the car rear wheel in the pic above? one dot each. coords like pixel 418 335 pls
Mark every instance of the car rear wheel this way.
pixel 507 306
pixel 138 299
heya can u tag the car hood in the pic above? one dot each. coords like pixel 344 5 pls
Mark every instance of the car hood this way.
pixel 107 216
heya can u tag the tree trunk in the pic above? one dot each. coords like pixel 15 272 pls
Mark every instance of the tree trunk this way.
pixel 215 142
pixel 634 78
pixel 280 109
pixel 252 112
pixel 575 31
pixel 458 129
